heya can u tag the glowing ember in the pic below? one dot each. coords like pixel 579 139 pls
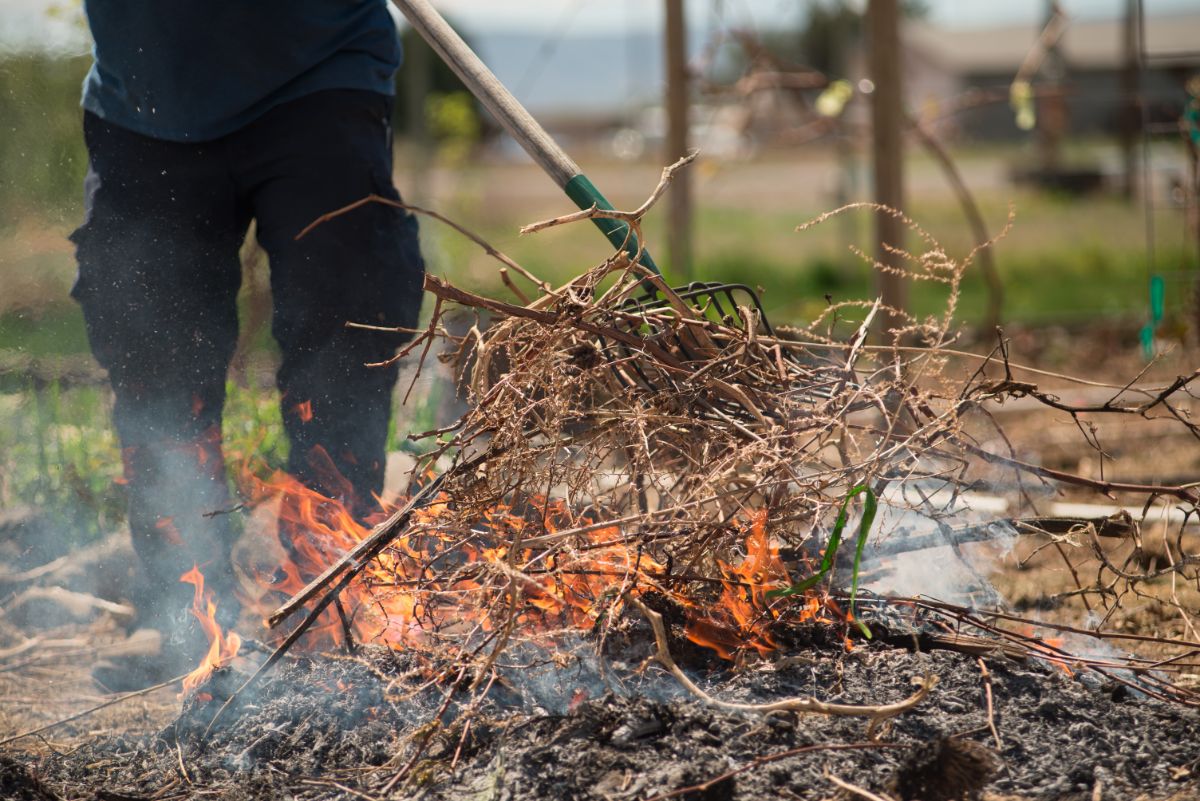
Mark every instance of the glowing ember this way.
pixel 1050 649
pixel 170 532
pixel 222 647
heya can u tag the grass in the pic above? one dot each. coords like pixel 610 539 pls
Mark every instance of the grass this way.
pixel 1061 263
pixel 59 454
pixel 1064 261
pixel 54 330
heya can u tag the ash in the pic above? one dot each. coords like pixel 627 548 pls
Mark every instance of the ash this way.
pixel 379 724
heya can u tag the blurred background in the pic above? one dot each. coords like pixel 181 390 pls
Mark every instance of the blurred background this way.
pixel 1081 119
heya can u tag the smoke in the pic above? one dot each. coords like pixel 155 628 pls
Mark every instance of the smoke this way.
pixel 944 545
pixel 554 677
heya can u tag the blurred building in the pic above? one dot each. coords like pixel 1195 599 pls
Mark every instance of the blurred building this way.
pixel 973 69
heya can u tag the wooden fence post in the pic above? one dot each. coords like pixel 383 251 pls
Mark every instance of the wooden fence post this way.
pixel 679 196
pixel 887 147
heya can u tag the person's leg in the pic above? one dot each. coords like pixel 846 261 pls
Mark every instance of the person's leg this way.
pixel 158 279
pixel 300 161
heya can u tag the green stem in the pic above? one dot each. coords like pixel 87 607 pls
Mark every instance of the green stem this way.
pixel 870 507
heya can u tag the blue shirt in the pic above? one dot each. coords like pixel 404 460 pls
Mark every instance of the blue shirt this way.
pixel 195 70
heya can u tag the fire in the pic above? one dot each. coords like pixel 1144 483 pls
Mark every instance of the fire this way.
pixel 304 411
pixel 222 647
pixel 743 615
pixel 314 531
pixel 1047 648
pixel 435 581
pixel 401 599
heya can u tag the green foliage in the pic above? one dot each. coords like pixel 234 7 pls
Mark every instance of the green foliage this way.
pixel 52 330
pixel 58 454
pixel 454 123
pixel 870 507
pixel 253 431
pixel 42 157
pixel 828 35
pixel 419 58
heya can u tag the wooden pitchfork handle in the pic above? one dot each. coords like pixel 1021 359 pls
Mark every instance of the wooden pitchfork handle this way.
pixel 518 122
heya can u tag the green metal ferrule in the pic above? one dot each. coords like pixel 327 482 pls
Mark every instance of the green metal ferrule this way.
pixel 585 195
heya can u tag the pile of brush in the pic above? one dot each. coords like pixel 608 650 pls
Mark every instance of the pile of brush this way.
pixel 677 412
pixel 626 438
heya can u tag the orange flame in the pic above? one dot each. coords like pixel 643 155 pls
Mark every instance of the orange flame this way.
pixel 222 648
pixel 305 411
pixel 1051 651
pixel 742 617
pixel 403 599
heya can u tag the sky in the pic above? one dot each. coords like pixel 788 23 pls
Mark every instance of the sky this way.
pixel 624 14
pixel 546 51
pixel 48 22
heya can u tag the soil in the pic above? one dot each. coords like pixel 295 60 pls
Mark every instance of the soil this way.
pixel 339 726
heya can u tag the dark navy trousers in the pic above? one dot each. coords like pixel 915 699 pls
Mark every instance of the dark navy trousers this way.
pixel 159 274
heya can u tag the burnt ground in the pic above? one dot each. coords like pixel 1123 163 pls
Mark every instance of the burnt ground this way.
pixel 335 727
pixel 326 727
